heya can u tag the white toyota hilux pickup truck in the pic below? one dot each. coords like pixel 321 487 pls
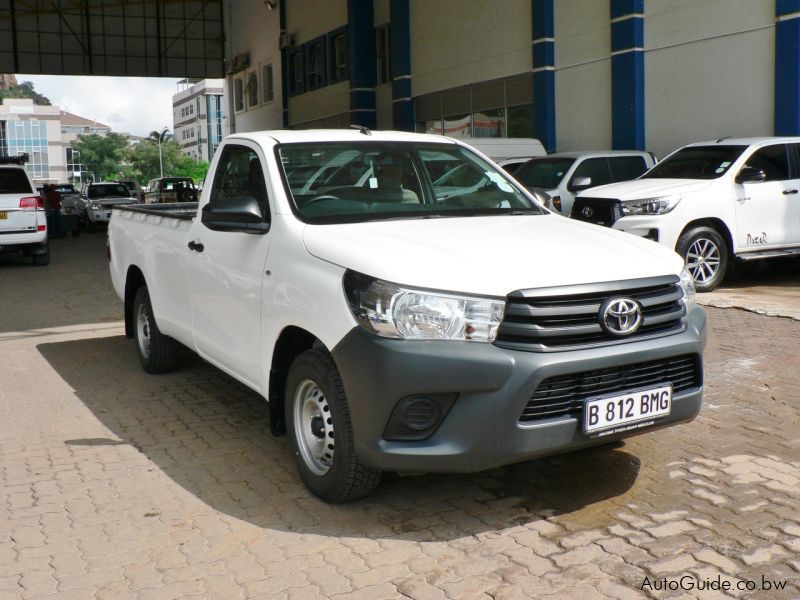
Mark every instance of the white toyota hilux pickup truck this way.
pixel 711 202
pixel 394 326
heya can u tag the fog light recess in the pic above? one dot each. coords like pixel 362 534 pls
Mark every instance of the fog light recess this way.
pixel 417 417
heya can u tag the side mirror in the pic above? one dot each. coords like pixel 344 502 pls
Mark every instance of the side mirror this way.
pixel 240 213
pixel 751 175
pixel 579 183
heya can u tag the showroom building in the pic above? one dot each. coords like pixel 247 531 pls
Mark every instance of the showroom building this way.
pixel 577 74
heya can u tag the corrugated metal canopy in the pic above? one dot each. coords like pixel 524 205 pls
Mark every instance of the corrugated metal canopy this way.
pixel 142 38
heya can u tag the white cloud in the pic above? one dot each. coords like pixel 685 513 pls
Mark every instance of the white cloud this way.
pixel 136 105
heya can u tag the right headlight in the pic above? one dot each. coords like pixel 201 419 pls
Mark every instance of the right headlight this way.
pixel 95 206
pixel 390 310
pixel 650 206
pixel 687 285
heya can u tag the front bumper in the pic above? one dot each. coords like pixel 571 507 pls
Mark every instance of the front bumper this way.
pixel 99 216
pixel 493 385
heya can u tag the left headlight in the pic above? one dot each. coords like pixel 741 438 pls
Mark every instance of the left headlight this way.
pixel 687 285
pixel 395 311
pixel 95 206
pixel 650 206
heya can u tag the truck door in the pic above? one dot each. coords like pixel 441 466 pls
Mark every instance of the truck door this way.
pixel 763 207
pixel 226 270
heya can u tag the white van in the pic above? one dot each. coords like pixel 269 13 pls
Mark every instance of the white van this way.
pixel 503 149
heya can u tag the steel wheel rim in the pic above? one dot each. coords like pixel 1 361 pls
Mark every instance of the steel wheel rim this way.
pixel 143 330
pixel 703 260
pixel 313 425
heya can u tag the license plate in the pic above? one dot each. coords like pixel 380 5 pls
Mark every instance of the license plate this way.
pixel 614 412
pixel 3 215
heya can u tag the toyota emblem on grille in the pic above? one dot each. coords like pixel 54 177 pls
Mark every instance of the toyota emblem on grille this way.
pixel 587 211
pixel 620 316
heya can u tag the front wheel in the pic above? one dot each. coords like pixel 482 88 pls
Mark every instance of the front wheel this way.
pixel 158 353
pixel 706 256
pixel 320 431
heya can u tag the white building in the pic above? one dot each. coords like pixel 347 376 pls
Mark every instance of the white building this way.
pixel 577 74
pixel 36 130
pixel 198 117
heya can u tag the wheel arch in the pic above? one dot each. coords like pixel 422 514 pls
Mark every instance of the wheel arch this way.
pixel 291 342
pixel 134 279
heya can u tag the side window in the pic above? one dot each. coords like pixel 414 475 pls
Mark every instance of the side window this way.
pixel 239 173
pixel 624 168
pixel 773 160
pixel 594 168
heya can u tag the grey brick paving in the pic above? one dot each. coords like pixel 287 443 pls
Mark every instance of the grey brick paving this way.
pixel 117 484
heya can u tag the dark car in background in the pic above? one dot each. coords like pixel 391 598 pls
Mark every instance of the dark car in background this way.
pixel 170 189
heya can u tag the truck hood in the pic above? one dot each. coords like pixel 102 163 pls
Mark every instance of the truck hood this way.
pixel 646 188
pixel 489 255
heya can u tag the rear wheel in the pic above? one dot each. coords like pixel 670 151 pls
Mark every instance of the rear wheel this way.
pixel 705 253
pixel 158 353
pixel 316 411
pixel 42 260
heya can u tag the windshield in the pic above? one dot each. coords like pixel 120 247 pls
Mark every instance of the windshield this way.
pixel 383 180
pixel 696 162
pixel 544 173
pixel 108 190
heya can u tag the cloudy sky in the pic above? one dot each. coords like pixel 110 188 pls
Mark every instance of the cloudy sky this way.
pixel 134 105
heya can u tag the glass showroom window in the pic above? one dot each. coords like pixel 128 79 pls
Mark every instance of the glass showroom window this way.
pixel 238 94
pixel 315 51
pixel 268 83
pixel 252 89
pixel 338 50
pixel 382 43
pixel 297 84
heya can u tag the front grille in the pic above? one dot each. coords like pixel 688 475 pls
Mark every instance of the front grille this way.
pixel 552 319
pixel 565 394
pixel 600 211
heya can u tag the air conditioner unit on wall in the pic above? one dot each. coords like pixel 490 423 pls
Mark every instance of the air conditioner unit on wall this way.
pixel 238 63
pixel 285 40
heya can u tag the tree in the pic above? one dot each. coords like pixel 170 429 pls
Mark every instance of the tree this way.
pixel 102 154
pixel 24 90
pixel 142 161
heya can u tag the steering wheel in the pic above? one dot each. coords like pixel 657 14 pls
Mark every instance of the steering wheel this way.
pixel 320 198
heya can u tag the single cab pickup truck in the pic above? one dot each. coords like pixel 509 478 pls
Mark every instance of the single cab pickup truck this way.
pixel 395 326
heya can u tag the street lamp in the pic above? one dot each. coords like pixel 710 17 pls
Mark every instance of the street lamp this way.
pixel 161 137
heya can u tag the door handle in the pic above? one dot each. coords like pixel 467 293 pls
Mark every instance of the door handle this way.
pixel 789 192
pixel 196 246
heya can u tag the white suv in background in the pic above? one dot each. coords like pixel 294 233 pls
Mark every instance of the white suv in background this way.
pixel 564 174
pixel 23 221
pixel 710 202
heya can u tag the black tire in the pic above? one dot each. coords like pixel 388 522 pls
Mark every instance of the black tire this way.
pixel 706 255
pixel 42 260
pixel 91 226
pixel 346 478
pixel 157 352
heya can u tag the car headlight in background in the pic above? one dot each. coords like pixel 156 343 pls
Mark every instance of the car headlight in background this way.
pixel 687 285
pixel 390 310
pixel 95 206
pixel 650 206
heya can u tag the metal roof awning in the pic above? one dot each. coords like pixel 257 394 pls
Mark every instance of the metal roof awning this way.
pixel 137 38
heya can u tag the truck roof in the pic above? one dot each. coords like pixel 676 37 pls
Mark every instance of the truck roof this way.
pixel 288 136
pixel 748 141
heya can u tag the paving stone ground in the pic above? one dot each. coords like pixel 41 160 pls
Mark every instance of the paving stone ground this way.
pixel 118 484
